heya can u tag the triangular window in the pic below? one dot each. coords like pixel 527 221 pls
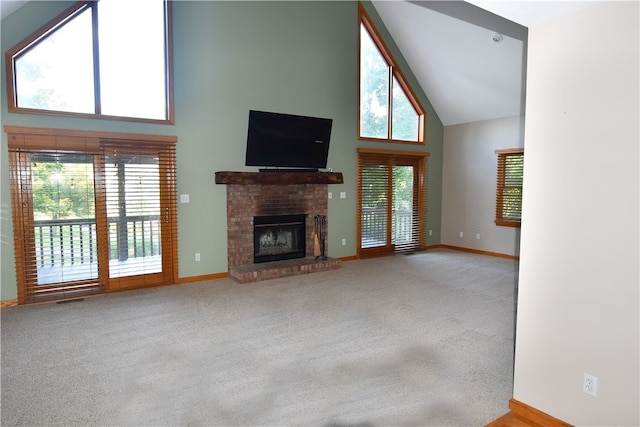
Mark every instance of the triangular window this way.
pixel 389 110
pixel 98 58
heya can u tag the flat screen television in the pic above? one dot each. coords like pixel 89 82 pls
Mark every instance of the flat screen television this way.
pixel 279 140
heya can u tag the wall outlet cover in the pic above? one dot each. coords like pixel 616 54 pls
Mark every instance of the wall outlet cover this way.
pixel 590 384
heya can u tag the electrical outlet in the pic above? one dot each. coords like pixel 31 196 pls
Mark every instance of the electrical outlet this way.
pixel 461 234
pixel 344 242
pixel 330 195
pixel 430 232
pixel 477 236
pixel 590 384
pixel 197 256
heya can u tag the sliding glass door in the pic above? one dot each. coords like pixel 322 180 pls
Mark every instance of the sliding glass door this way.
pixel 92 217
pixel 390 202
pixel 138 208
pixel 60 246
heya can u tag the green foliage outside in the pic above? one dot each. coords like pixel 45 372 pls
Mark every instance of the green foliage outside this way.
pixel 63 190
pixel 404 118
pixel 374 89
pixel 512 203
pixel 402 188
pixel 374 98
pixel 512 191
pixel 375 195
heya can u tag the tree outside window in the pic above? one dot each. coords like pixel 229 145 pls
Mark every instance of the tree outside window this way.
pixel 509 187
pixel 388 109
pixel 102 59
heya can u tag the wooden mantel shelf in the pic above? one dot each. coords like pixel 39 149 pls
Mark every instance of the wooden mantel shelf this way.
pixel 278 178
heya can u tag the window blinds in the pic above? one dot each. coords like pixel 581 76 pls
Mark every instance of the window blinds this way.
pixel 509 187
pixel 53 208
pixel 62 188
pixel 391 207
pixel 140 205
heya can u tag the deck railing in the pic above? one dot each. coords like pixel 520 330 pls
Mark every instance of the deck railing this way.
pixel 74 241
pixel 374 226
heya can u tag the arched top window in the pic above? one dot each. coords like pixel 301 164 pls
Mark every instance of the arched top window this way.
pixel 388 109
pixel 99 59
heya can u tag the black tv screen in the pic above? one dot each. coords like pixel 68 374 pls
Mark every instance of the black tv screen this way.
pixel 287 141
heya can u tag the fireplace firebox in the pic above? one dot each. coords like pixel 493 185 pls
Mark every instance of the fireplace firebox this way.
pixel 278 237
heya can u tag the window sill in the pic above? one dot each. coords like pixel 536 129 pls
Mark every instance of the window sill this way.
pixel 505 223
pixel 391 141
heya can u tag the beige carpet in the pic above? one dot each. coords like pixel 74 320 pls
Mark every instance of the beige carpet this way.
pixel 423 339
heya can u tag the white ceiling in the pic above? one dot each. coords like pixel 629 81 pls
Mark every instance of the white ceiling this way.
pixel 466 75
pixel 449 48
pixel 532 12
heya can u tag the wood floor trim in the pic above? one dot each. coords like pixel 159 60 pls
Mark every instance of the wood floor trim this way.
pixel 475 251
pixel 8 303
pixel 523 415
pixel 191 279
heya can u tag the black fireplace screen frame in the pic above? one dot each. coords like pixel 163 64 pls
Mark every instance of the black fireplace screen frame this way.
pixel 279 232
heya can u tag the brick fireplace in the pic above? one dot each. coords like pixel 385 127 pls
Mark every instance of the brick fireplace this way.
pixel 260 194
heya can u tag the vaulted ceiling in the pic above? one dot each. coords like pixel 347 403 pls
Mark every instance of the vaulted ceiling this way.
pixel 469 57
pixel 452 50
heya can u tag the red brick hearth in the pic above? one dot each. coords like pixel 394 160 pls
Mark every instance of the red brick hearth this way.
pixel 248 196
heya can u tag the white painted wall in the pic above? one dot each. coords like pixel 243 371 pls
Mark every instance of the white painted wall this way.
pixel 579 275
pixel 469 183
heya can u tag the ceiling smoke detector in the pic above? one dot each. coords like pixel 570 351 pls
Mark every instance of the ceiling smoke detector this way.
pixel 497 38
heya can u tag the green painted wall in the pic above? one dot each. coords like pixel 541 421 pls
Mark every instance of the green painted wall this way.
pixel 229 57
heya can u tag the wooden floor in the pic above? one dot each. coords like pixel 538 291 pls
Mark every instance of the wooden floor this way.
pixel 523 415
pixel 513 420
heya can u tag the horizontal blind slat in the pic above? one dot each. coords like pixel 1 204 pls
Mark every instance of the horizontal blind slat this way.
pixel 76 243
